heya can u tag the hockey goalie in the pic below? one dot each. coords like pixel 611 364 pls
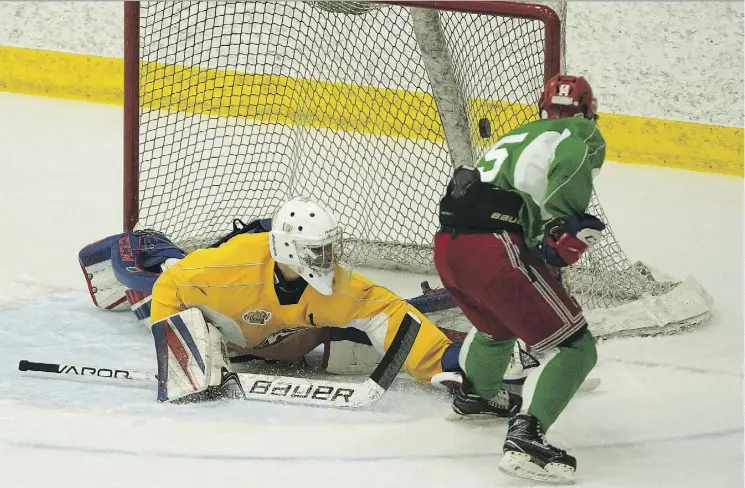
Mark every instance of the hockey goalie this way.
pixel 274 289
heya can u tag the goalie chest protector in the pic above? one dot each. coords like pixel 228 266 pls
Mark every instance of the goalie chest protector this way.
pixel 471 206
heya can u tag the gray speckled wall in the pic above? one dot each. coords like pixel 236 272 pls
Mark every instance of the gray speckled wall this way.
pixel 79 27
pixel 671 60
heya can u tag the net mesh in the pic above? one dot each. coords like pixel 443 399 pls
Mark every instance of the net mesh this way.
pixel 243 105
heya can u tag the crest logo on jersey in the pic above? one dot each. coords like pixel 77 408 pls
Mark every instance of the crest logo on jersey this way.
pixel 257 317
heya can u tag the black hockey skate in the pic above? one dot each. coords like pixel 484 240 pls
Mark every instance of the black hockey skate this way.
pixel 468 405
pixel 528 455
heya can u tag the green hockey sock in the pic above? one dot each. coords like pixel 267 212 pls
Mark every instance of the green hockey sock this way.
pixel 560 379
pixel 484 362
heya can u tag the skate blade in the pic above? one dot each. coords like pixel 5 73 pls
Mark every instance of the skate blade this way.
pixel 519 465
pixel 474 417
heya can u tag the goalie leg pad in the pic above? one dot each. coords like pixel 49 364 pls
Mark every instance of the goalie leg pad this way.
pixel 192 359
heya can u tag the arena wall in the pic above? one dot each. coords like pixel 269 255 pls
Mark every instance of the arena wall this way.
pixel 668 75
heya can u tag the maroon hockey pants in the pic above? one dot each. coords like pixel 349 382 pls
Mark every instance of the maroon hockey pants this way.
pixel 506 293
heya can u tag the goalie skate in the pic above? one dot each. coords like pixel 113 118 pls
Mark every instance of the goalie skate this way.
pixel 528 455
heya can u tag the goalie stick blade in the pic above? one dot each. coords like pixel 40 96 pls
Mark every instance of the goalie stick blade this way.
pixel 301 391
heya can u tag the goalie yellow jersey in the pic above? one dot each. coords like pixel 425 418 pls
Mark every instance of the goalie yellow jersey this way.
pixel 233 286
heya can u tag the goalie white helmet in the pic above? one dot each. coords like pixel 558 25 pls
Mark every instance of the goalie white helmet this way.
pixel 307 237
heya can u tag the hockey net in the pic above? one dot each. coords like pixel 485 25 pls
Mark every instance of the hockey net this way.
pixel 231 108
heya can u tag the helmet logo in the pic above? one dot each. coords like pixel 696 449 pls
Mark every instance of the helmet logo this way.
pixel 564 90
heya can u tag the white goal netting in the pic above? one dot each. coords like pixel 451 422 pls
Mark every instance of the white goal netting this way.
pixel 364 107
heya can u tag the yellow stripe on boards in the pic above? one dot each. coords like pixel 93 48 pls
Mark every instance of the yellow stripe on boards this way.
pixel 292 101
pixel 310 103
pixel 62 75
pixel 346 107
pixel 673 144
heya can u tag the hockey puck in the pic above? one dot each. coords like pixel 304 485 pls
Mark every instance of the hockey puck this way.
pixel 23 365
pixel 484 128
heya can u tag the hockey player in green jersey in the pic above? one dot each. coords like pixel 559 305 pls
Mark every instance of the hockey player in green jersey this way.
pixel 507 228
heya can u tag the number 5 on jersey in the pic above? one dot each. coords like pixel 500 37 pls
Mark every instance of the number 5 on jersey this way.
pixel 497 154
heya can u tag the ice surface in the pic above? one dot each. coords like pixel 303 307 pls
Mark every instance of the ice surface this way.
pixel 668 412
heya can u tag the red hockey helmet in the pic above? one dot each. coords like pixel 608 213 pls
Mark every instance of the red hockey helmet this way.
pixel 566 96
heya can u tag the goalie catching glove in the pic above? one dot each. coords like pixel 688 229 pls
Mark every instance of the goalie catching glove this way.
pixel 193 362
pixel 567 239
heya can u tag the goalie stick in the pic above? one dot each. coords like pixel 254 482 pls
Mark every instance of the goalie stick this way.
pixel 281 389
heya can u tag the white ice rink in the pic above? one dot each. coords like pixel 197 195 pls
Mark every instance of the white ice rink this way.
pixel 668 413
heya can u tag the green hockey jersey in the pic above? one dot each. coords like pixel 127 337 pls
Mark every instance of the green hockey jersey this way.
pixel 550 163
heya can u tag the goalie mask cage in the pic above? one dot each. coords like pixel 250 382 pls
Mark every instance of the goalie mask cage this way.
pixel 231 108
